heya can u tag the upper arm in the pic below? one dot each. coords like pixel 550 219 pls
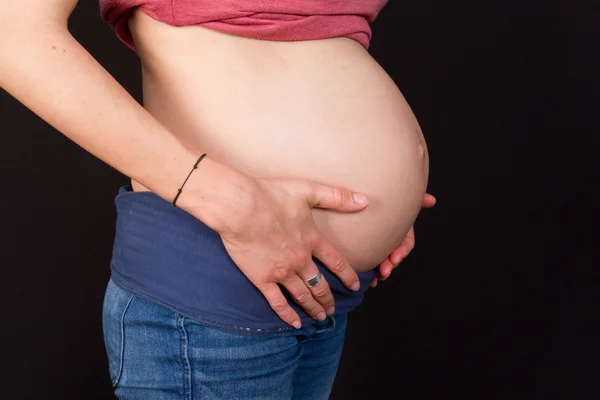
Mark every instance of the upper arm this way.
pixel 30 14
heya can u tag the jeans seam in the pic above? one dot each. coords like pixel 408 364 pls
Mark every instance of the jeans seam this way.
pixel 122 349
pixel 187 368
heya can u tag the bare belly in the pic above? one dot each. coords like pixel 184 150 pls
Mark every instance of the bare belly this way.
pixel 322 110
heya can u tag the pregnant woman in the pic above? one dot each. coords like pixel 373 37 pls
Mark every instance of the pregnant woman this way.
pixel 274 166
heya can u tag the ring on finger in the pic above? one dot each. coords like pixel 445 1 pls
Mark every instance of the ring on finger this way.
pixel 315 280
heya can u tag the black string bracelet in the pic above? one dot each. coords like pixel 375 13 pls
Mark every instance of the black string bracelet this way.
pixel 186 179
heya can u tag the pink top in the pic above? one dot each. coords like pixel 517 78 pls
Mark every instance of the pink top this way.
pixel 259 19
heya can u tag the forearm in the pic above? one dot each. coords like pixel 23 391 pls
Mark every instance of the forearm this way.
pixel 54 76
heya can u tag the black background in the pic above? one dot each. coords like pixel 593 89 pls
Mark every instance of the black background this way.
pixel 499 299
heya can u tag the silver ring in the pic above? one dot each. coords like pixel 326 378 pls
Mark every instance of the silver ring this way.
pixel 315 280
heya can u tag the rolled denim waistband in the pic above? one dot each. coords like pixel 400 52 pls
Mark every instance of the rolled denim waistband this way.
pixel 164 254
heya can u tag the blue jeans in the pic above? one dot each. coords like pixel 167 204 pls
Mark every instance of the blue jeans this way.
pixel 155 353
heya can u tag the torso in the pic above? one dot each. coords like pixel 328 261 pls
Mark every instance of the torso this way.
pixel 322 110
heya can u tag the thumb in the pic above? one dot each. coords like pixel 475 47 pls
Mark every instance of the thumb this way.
pixel 334 198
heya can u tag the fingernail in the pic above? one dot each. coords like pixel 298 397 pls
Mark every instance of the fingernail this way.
pixel 360 198
pixel 296 324
pixel 331 311
pixel 355 286
pixel 321 316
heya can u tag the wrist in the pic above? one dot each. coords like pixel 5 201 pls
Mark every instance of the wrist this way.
pixel 213 194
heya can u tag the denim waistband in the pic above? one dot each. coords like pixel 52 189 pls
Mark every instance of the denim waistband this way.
pixel 164 254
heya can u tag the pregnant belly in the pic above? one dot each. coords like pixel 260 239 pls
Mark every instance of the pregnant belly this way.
pixel 322 110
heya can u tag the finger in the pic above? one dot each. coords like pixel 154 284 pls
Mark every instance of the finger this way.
pixel 374 283
pixel 303 296
pixel 385 269
pixel 322 292
pixel 280 305
pixel 335 262
pixel 405 247
pixel 333 198
pixel 429 201
pixel 382 265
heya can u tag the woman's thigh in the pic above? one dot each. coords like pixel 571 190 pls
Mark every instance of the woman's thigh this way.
pixel 155 353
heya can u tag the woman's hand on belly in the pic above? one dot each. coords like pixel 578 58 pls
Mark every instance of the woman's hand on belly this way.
pixel 400 253
pixel 271 236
